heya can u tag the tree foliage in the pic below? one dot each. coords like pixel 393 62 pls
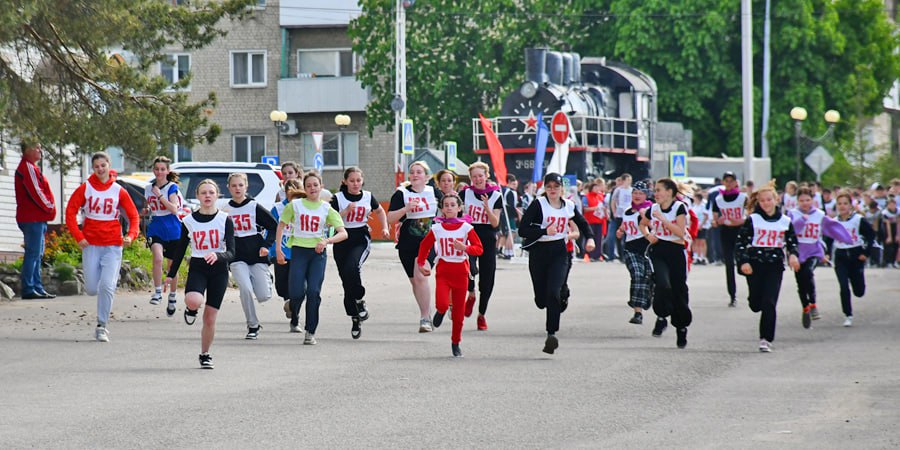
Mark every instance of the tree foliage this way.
pixel 59 85
pixel 464 57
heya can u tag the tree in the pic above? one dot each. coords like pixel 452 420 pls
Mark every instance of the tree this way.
pixel 61 85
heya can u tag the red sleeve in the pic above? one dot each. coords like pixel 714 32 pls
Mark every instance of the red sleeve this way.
pixel 34 188
pixel 134 220
pixel 474 248
pixel 76 201
pixel 425 248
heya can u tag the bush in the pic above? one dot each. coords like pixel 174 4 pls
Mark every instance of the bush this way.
pixel 60 246
pixel 64 272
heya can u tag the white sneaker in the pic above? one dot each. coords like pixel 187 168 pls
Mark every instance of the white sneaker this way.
pixel 425 326
pixel 310 339
pixel 848 321
pixel 156 298
pixel 765 346
pixel 296 329
pixel 101 334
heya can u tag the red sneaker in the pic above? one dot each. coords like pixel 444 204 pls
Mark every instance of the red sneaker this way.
pixel 482 324
pixel 470 304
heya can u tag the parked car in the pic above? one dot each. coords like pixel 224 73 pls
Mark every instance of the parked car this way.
pixel 263 180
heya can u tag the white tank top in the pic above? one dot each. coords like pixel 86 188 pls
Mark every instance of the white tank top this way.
pixel 732 211
pixel 830 207
pixel 244 218
pixel 153 202
pixel 789 202
pixel 817 200
pixel 101 205
pixel 659 230
pixel 852 227
pixel 812 231
pixel 359 216
pixel 309 223
pixel 559 217
pixel 427 203
pixel 769 234
pixel 443 242
pixel 475 207
pixel 630 223
pixel 206 237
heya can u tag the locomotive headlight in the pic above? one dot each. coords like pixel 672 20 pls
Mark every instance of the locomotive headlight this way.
pixel 528 89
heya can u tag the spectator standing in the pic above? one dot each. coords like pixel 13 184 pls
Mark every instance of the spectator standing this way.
pixel 619 202
pixel 35 206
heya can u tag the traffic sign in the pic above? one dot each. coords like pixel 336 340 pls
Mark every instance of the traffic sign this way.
pixel 270 160
pixel 678 165
pixel 409 137
pixel 319 162
pixel 451 155
pixel 559 127
pixel 317 140
pixel 819 160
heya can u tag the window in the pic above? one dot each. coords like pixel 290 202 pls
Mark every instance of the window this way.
pixel 181 153
pixel 249 148
pixel 248 69
pixel 332 146
pixel 116 158
pixel 175 68
pixel 326 63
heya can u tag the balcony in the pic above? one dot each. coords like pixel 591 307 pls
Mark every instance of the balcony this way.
pixel 322 94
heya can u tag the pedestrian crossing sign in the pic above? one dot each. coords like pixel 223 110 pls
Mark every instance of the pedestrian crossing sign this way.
pixel 451 155
pixel 678 165
pixel 409 137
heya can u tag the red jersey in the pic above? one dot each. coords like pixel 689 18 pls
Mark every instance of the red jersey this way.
pixel 101 202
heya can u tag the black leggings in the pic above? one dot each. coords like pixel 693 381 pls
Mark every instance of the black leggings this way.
pixel 764 285
pixel 282 277
pixel 209 279
pixel 728 235
pixel 485 267
pixel 547 263
pixel 850 272
pixel 806 282
pixel 349 257
pixel 670 277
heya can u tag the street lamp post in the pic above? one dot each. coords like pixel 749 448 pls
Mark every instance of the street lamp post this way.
pixel 342 121
pixel 798 113
pixel 278 118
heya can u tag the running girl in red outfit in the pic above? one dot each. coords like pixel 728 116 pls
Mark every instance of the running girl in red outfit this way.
pixel 454 241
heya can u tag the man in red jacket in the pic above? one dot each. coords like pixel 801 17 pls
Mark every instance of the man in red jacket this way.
pixel 35 207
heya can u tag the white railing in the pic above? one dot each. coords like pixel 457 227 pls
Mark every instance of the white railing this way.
pixel 603 134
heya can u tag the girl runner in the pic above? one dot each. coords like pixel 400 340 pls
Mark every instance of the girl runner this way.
pixel 698 247
pixel 667 222
pixel 250 266
pixel 415 206
pixel 101 238
pixel 728 215
pixel 163 203
pixel 812 224
pixel 282 271
pixel 210 233
pixel 289 171
pixel 454 241
pixel 446 181
pixel 309 217
pixel 760 249
pixel 789 198
pixel 354 205
pixel 595 214
pixel 635 254
pixel 482 203
pixel 850 259
pixel 545 226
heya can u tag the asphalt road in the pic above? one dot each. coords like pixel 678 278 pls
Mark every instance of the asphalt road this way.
pixel 610 384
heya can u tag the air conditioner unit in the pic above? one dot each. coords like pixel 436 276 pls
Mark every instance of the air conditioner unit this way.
pixel 290 129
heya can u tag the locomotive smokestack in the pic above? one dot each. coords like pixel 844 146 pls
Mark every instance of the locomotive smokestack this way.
pixel 576 68
pixel 535 65
pixel 567 69
pixel 555 67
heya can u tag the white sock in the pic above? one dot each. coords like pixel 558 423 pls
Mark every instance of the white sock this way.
pixel 159 289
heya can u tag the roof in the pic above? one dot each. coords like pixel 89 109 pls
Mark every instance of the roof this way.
pixel 435 160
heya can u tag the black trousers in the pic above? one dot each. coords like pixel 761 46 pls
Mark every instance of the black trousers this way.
pixel 484 267
pixel 806 282
pixel 548 265
pixel 729 238
pixel 670 277
pixel 764 286
pixel 850 273
pixel 282 278
pixel 349 257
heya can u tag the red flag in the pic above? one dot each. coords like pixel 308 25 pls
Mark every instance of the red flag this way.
pixel 496 150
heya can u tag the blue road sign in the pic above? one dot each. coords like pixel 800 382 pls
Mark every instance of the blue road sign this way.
pixel 270 160
pixel 678 166
pixel 319 162
pixel 409 138
pixel 451 155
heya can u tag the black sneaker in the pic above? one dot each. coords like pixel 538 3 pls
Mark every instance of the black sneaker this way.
pixel 253 332
pixel 551 344
pixel 438 319
pixel 807 318
pixel 190 316
pixel 170 309
pixel 732 303
pixel 355 329
pixel 681 340
pixel 362 311
pixel 660 326
pixel 206 361
pixel 563 304
pixel 457 353
pixel 638 319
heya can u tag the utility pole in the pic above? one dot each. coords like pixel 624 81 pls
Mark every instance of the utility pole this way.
pixel 747 84
pixel 399 102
